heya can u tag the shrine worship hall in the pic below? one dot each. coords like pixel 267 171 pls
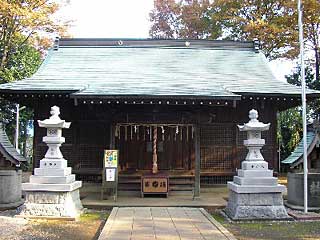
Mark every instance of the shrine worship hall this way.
pixel 169 107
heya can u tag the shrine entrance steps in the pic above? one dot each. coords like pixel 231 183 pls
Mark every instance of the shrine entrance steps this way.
pixel 162 223
pixel 130 185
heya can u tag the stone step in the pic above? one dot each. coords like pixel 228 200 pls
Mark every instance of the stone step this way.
pixel 254 165
pixel 261 181
pixel 53 163
pixel 52 179
pixel 52 171
pixel 255 173
pixel 51 187
pixel 255 188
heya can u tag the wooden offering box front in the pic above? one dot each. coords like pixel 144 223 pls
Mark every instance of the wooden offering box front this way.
pixel 154 184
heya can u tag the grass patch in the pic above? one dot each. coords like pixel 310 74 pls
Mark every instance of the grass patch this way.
pixel 93 216
pixel 271 230
pixel 217 216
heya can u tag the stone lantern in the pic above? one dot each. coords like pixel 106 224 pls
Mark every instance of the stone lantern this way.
pixel 52 190
pixel 254 192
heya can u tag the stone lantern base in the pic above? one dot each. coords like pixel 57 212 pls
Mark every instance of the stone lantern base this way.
pixel 52 193
pixel 52 204
pixel 258 205
pixel 255 194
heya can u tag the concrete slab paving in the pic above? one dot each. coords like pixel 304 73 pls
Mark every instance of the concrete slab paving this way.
pixel 162 223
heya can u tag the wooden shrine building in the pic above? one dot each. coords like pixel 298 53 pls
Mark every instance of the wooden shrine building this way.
pixel 174 100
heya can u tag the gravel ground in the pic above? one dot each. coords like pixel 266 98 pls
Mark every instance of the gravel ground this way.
pixel 88 227
pixel 11 227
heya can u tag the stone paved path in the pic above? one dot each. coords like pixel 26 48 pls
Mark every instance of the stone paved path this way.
pixel 162 223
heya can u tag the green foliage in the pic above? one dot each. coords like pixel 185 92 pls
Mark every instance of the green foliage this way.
pixel 290 130
pixel 290 121
pixel 295 78
pixel 271 21
pixel 26 30
pixel 22 63
pixel 183 19
pixel 312 83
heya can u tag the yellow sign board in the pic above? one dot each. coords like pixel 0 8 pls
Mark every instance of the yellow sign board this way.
pixel 111 158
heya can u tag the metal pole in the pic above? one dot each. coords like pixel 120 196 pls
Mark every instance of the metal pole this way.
pixel 304 114
pixel 16 137
pixel 279 143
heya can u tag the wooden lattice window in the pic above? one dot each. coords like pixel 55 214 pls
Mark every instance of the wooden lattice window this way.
pixel 217 142
pixel 90 156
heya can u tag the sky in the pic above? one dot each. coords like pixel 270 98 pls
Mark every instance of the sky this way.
pixel 125 19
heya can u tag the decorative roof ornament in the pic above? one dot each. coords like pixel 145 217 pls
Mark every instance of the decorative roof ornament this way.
pixel 254 124
pixel 256 44
pixel 54 121
pixel 56 44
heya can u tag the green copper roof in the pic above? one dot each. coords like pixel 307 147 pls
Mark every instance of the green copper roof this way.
pixel 7 150
pixel 213 69
pixel 297 154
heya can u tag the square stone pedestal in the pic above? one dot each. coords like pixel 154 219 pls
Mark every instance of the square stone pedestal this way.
pixel 252 206
pixel 58 201
pixel 255 202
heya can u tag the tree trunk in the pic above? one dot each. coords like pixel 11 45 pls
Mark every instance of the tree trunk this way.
pixel 4 58
pixel 317 57
pixel 25 139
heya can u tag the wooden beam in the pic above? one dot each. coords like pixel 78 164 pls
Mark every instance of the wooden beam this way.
pixel 196 191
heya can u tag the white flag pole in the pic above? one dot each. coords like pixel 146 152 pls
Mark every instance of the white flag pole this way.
pixel 304 108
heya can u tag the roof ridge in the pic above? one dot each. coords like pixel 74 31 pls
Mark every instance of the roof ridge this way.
pixel 150 42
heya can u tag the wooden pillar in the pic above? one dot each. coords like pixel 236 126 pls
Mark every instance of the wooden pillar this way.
pixel 112 136
pixel 196 191
pixel 154 155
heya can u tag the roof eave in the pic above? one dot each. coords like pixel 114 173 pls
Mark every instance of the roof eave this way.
pixel 190 97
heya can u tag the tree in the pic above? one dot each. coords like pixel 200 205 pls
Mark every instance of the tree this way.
pixel 26 30
pixel 270 21
pixel 311 11
pixel 26 21
pixel 21 63
pixel 185 19
pixel 295 77
pixel 290 121
pixel 290 130
pixel 273 22
pixel 313 108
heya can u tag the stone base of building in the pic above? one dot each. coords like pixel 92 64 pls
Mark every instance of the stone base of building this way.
pixel 5 206
pixel 41 204
pixel 254 206
pixel 10 189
